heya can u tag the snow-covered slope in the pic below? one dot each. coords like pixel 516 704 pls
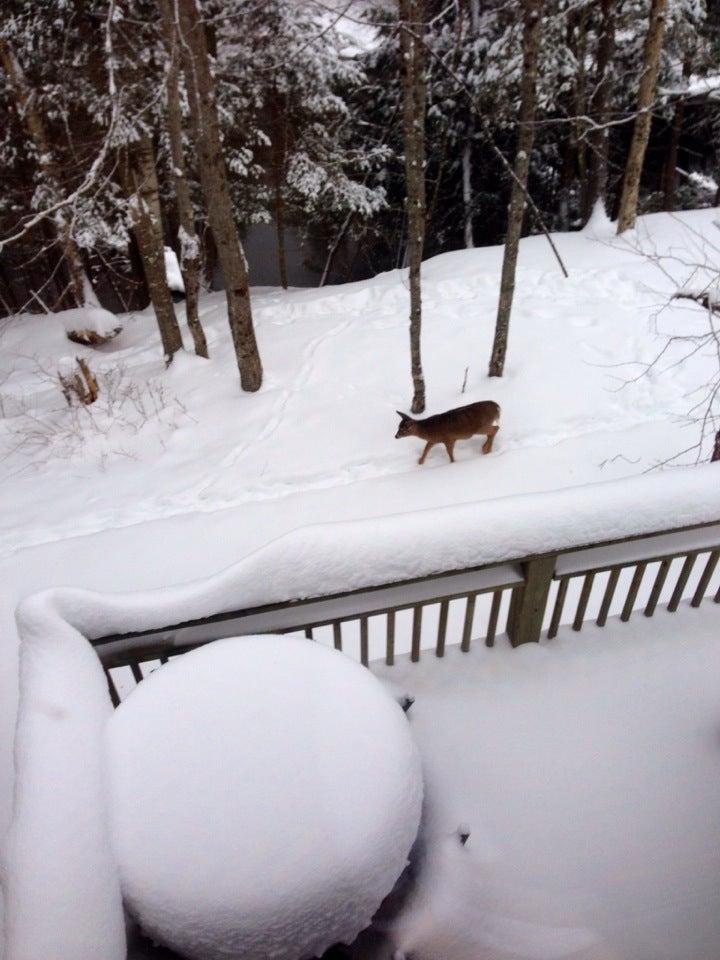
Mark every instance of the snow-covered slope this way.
pixel 336 362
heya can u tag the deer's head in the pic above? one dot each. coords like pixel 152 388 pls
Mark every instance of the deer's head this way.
pixel 406 427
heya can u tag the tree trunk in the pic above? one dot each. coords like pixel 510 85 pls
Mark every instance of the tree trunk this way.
pixel 28 111
pixel 467 194
pixel 213 178
pixel 142 187
pixel 599 138
pixel 641 130
pixel 412 16
pixel 189 241
pixel 716 449
pixel 581 110
pixel 670 170
pixel 532 23
pixel 278 179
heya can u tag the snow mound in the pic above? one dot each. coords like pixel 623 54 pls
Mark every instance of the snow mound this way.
pixel 265 793
pixel 599 224
pixel 93 318
pixel 172 271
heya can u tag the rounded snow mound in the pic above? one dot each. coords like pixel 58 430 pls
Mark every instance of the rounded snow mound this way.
pixel 265 793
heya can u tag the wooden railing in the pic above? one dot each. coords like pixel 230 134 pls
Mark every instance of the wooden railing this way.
pixel 522 598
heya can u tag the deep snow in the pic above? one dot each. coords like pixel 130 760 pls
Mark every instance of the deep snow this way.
pixel 177 475
pixel 587 770
pixel 161 444
pixel 265 794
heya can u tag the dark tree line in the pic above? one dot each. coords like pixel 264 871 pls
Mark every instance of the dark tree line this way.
pixel 129 125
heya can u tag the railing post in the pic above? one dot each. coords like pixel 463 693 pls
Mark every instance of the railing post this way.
pixel 528 602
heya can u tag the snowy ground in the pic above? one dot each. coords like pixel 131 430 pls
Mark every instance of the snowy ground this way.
pixel 176 475
pixel 336 368
pixel 587 770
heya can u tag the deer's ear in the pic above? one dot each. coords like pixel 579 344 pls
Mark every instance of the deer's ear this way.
pixel 403 416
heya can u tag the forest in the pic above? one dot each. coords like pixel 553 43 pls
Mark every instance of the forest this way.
pixel 380 133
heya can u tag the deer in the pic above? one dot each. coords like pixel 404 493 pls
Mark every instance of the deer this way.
pixel 461 423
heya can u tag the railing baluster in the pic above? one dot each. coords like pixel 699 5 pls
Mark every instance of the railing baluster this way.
pixel 136 672
pixel 494 613
pixel 587 586
pixel 337 635
pixel 633 591
pixel 442 629
pixel 308 633
pixel 114 695
pixel 558 608
pixel 705 578
pixel 657 586
pixel 467 626
pixel 682 581
pixel 416 626
pixel 163 660
pixel 608 596
pixel 390 648
pixel 364 652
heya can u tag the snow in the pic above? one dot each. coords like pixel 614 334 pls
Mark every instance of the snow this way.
pixel 60 883
pixel 588 773
pixel 59 668
pixel 93 318
pixel 172 271
pixel 288 491
pixel 336 369
pixel 265 795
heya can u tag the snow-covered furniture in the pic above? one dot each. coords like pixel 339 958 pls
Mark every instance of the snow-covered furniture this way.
pixel 265 794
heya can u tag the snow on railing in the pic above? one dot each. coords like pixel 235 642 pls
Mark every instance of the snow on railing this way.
pixel 58 852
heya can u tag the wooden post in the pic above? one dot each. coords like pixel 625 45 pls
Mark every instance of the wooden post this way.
pixel 528 602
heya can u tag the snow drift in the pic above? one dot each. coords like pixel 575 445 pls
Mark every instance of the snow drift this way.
pixel 59 851
pixel 265 794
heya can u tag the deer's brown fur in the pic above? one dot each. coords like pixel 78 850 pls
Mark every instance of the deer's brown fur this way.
pixel 453 425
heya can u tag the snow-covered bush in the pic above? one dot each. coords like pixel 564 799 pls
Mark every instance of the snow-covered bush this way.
pixel 265 794
pixel 38 425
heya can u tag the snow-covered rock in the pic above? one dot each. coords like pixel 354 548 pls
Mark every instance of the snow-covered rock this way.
pixel 265 794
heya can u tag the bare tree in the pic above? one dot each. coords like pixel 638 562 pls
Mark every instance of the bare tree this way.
pixel 140 178
pixel 532 24
pixel 189 241
pixel 213 178
pixel 27 109
pixel 412 59
pixel 643 120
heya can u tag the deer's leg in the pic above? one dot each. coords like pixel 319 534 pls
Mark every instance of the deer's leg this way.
pixel 489 437
pixel 449 446
pixel 428 447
